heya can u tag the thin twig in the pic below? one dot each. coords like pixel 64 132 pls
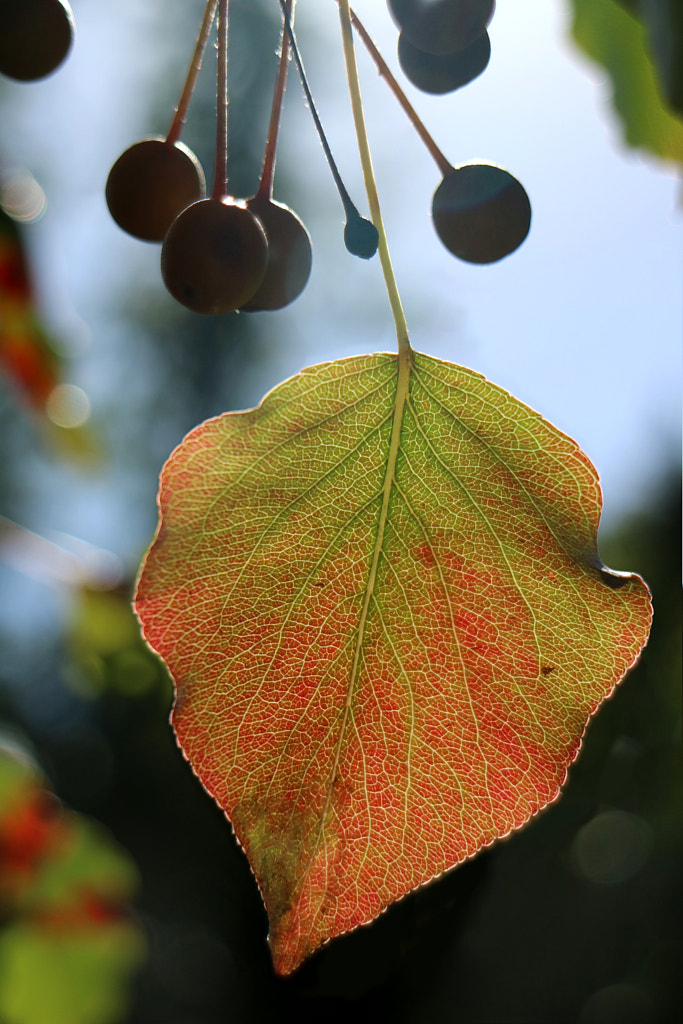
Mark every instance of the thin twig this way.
pixel 442 163
pixel 195 67
pixel 349 205
pixel 265 189
pixel 220 181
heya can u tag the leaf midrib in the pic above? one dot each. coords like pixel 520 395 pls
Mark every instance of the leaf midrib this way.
pixel 404 369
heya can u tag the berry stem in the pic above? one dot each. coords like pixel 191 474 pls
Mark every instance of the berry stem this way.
pixel 195 67
pixel 265 189
pixel 404 349
pixel 349 206
pixel 220 181
pixel 442 163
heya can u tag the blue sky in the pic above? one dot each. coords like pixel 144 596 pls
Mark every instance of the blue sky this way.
pixel 583 322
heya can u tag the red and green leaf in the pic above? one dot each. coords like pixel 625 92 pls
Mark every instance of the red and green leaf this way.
pixel 382 604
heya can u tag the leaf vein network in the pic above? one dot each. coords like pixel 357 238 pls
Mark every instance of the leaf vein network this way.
pixel 484 518
pixel 498 458
pixel 270 452
pixel 474 504
pixel 272 524
pixel 294 603
pixel 449 604
pixel 339 656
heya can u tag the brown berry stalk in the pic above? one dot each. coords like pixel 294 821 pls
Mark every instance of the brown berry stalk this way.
pixel 289 245
pixel 215 254
pixel 157 178
pixel 360 234
pixel 481 212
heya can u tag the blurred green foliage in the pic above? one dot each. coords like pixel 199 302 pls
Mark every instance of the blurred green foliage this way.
pixel 67 942
pixel 640 45
pixel 663 21
pixel 106 648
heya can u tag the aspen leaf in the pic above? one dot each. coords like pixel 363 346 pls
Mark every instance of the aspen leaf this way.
pixel 380 598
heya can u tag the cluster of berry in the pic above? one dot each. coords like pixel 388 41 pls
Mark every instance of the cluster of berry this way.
pixel 443 44
pixel 480 211
pixel 35 37
pixel 221 253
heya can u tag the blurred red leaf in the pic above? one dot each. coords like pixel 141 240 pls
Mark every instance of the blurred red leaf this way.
pixel 26 354
pixel 28 832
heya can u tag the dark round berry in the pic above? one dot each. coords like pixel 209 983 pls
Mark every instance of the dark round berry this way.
pixel 441 73
pixel 35 37
pixel 361 237
pixel 214 256
pixel 150 184
pixel 441 26
pixel 289 255
pixel 481 213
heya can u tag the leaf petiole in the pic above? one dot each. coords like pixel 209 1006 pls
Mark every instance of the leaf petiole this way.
pixel 404 349
pixel 416 121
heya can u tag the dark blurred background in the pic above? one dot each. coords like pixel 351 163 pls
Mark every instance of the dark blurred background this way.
pixel 575 919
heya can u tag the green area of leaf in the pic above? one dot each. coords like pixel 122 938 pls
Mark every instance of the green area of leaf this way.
pixel 380 597
pixel 618 40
